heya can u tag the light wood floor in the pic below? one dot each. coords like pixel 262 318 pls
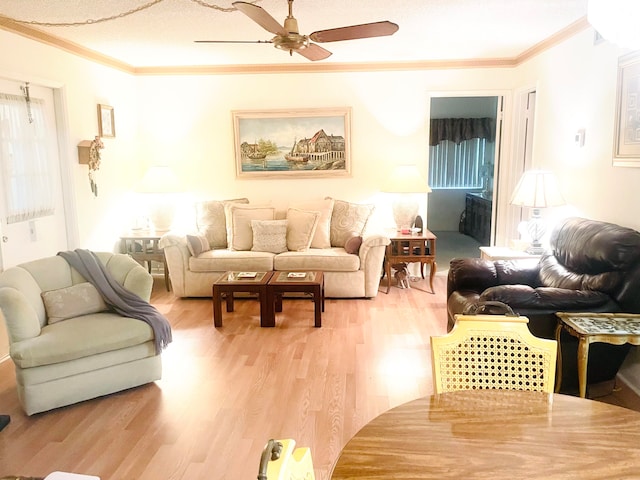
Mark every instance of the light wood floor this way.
pixel 226 391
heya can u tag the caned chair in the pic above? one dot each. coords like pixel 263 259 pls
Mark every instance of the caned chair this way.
pixel 492 351
pixel 280 460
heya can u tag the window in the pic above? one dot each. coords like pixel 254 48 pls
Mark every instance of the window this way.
pixel 468 164
pixel 26 168
pixel 461 152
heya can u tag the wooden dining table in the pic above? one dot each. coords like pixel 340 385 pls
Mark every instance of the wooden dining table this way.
pixel 496 434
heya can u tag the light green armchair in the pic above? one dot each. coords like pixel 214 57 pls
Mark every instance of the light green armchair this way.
pixel 65 345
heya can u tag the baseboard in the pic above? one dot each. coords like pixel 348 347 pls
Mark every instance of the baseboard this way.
pixel 630 383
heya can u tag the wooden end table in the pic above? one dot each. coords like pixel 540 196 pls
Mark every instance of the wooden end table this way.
pixel 234 282
pixel 411 248
pixel 143 247
pixel 311 283
pixel 613 328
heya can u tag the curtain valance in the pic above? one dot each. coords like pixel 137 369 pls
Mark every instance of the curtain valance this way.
pixel 459 129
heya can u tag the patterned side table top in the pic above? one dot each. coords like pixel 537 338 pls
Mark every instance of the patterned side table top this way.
pixel 602 323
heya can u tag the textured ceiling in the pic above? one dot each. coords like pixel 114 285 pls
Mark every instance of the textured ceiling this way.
pixel 164 34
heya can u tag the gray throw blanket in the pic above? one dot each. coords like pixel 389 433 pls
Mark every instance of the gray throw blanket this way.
pixel 124 302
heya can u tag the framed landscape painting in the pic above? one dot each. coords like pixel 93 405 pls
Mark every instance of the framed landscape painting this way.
pixel 292 143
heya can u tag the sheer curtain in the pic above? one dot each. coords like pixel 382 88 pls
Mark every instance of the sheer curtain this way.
pixel 28 186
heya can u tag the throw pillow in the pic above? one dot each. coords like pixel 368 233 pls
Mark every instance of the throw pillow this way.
pixel 197 244
pixel 346 219
pixel 211 220
pixel 239 231
pixel 300 229
pixel 269 236
pixel 322 237
pixel 73 301
pixel 353 243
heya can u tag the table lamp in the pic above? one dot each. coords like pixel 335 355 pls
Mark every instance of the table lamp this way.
pixel 405 181
pixel 537 189
pixel 160 182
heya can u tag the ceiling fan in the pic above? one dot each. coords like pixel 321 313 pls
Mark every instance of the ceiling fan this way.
pixel 288 37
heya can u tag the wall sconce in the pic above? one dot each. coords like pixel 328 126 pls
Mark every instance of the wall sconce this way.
pixel 406 182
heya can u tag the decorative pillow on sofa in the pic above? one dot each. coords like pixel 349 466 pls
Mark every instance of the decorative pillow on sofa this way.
pixel 353 243
pixel 300 229
pixel 346 219
pixel 269 236
pixel 197 244
pixel 239 231
pixel 211 221
pixel 322 237
pixel 73 301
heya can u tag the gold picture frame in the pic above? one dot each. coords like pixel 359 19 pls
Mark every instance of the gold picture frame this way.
pixel 298 143
pixel 106 121
pixel 626 148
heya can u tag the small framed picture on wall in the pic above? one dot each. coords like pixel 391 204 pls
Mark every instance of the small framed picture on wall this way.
pixel 106 121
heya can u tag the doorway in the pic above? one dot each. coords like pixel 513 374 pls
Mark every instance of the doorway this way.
pixel 45 235
pixel 462 172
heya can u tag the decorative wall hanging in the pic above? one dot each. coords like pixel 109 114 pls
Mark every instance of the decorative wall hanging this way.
pixel 292 143
pixel 106 121
pixel 626 148
pixel 89 154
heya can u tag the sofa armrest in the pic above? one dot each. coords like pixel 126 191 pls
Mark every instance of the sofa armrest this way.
pixel 18 314
pixel 176 254
pixel 371 258
pixel 478 274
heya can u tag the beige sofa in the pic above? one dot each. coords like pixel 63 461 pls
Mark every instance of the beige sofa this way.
pixel 65 347
pixel 328 235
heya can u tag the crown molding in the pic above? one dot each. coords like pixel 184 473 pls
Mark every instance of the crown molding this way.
pixel 259 69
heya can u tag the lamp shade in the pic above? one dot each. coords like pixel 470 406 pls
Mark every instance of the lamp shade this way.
pixel 405 179
pixel 537 189
pixel 159 179
pixel 616 21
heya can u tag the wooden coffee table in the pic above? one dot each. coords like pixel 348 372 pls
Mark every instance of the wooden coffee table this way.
pixel 311 283
pixel 236 282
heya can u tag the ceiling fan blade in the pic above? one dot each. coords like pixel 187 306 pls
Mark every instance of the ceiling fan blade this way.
pixel 261 17
pixel 233 41
pixel 314 52
pixel 353 32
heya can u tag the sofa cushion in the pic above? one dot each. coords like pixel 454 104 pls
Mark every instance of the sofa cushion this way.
pixel 211 220
pixel 239 231
pixel 74 301
pixel 80 337
pixel 269 236
pixel 346 219
pixel 222 260
pixel 301 226
pixel 197 244
pixel 322 237
pixel 326 259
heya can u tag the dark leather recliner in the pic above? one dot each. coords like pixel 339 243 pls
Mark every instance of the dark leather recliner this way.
pixel 590 266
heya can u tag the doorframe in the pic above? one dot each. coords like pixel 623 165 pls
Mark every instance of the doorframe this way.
pixel 503 144
pixel 521 158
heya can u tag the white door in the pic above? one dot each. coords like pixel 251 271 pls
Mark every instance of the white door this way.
pixel 44 236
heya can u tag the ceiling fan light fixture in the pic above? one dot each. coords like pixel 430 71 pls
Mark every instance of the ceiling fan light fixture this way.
pixel 292 41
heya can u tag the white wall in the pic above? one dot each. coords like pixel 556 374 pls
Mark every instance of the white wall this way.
pixel 576 88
